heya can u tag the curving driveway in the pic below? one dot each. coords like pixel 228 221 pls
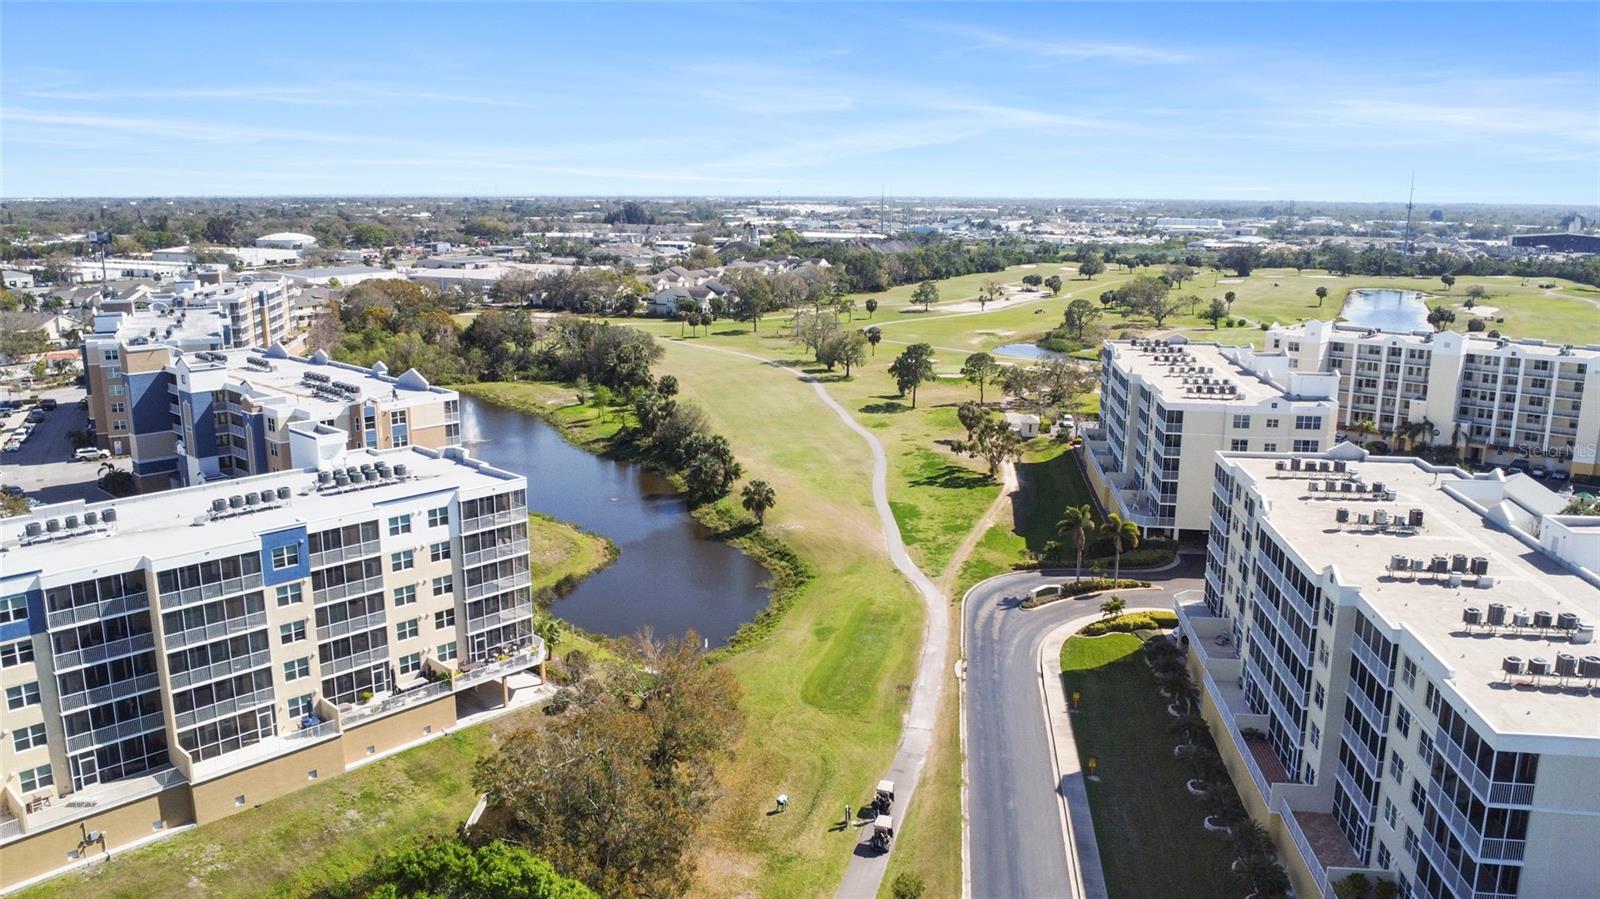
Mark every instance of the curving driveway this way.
pixel 1015 842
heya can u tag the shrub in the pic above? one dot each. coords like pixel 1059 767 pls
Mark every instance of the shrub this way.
pixel 1079 588
pixel 1475 325
pixel 1133 621
pixel 907 885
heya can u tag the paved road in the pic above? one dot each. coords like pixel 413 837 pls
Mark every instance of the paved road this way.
pixel 865 871
pixel 1016 840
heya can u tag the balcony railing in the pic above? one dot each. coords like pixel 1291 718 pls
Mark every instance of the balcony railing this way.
pixel 1373 764
pixel 1447 870
pixel 496 619
pixel 1374 716
pixel 1239 742
pixel 1493 792
pixel 144 683
pixel 1285 717
pixel 1485 849
pixel 1308 853
pixel 115 733
pixel 1354 790
pixel 232 706
pixel 111 649
pixel 518 661
pixel 340 554
pixel 355 660
pixel 510 582
pixel 222 630
pixel 211 591
pixel 94 611
pixel 399 701
pixel 217 670
pixel 347 589
pixel 263 750
pixel 355 625
pixel 494 519
pixel 494 553
pixel 1370 658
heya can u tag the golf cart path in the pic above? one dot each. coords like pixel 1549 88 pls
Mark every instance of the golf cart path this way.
pixel 865 871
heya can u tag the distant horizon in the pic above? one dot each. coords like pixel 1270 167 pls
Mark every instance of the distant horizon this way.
pixel 1484 104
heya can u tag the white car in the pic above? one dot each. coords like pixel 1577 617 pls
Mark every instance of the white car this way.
pixel 91 454
pixel 13 446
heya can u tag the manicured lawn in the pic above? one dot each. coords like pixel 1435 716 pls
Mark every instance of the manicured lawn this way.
pixel 1146 822
pixel 555 403
pixel 308 841
pixel 1051 470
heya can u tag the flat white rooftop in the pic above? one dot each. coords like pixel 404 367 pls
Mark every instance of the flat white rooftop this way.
pixel 179 522
pixel 1157 366
pixel 275 378
pixel 1524 579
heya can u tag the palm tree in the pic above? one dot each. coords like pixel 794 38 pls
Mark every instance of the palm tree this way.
pixel 1077 520
pixel 1124 535
pixel 1249 840
pixel 1113 607
pixel 1322 294
pixel 1363 428
pixel 758 497
pixel 874 335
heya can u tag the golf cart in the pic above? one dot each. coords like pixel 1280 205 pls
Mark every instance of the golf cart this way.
pixel 883 797
pixel 882 833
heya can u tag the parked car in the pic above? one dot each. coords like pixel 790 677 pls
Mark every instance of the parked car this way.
pixel 1518 466
pixel 13 445
pixel 37 415
pixel 11 490
pixel 1558 476
pixel 91 454
pixel 48 405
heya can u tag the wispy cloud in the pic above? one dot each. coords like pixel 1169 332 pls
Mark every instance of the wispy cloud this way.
pixel 322 94
pixel 176 129
pixel 1062 46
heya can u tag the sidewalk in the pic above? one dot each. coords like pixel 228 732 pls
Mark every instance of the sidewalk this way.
pixel 1083 850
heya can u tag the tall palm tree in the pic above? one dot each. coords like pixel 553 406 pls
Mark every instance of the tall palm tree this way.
pixel 757 498
pixel 1077 520
pixel 1124 535
pixel 1363 428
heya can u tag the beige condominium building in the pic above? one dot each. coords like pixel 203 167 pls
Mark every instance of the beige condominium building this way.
pixel 1497 400
pixel 1168 406
pixel 1397 660
pixel 173 658
pixel 188 410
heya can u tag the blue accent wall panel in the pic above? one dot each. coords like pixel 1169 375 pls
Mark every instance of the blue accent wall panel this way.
pixel 205 424
pixel 33 624
pixel 158 466
pixel 149 403
pixel 258 442
pixel 295 536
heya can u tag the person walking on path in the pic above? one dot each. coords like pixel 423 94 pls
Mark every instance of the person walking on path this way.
pixel 847 814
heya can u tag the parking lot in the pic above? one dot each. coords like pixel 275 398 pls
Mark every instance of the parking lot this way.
pixel 44 467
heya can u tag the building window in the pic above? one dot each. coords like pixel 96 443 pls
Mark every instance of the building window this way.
pixel 1305 446
pixel 447 651
pixel 1272 423
pixel 1308 422
pixel 1390 813
pixel 399 524
pixel 1383 854
pixel 112 355
pixel 444 618
pixel 1319 696
pixel 439 517
pixel 1316 734
pixel 117 390
pixel 1327 612
pixel 27 737
pixel 405 596
pixel 1241 446
pixel 119 408
pixel 301 706
pixel 1397 767
pixel 1402 720
pixel 289 594
pixel 1322 653
pixel 1411 843
pixel 1242 422
pixel 438 552
pixel 1269 447
pixel 119 424
pixel 293 632
pixel 443 585
pixel 411 664
pixel 1417 794
pixel 293 671
pixel 22 695
pixel 14 608
pixel 37 778
pixel 285 557
pixel 407 629
pixel 272 448
pixel 402 561
pixel 19 652
pixel 1408 672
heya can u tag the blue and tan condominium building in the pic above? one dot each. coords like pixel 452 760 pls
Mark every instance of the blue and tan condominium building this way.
pixel 1398 663
pixel 188 409
pixel 171 658
pixel 1168 406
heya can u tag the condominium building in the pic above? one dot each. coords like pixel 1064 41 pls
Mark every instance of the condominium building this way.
pixel 188 412
pixel 173 658
pixel 1167 406
pixel 1496 399
pixel 1397 662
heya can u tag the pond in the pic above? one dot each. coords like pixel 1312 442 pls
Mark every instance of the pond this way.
pixel 669 577
pixel 1027 351
pixel 1387 310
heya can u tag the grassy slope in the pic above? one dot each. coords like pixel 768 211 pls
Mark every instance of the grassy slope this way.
pixel 1148 826
pixel 306 841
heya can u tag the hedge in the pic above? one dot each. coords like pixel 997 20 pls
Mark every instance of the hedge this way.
pixel 1133 621
pixel 1079 588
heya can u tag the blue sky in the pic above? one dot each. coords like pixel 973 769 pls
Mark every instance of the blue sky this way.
pixel 1487 102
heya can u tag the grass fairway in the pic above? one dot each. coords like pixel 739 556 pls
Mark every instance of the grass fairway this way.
pixel 1147 824
pixel 560 553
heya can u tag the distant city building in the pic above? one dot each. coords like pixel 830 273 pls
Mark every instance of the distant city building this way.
pixel 175 658
pixel 1168 406
pixel 1499 399
pixel 1397 661
pixel 1173 223
pixel 1559 242
pixel 287 240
